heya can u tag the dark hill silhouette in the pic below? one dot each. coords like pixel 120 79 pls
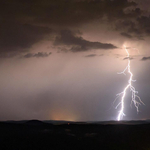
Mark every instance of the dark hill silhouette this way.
pixel 34 122
pixel 40 135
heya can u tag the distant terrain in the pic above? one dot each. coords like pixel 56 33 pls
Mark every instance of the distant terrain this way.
pixel 64 135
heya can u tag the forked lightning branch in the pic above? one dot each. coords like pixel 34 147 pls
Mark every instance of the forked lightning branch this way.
pixel 135 99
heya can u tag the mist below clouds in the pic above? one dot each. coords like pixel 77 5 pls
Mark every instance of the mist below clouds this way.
pixel 62 87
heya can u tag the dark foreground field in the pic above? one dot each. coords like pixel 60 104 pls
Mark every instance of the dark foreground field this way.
pixel 36 135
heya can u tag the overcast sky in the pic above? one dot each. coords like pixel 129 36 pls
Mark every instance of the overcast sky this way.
pixel 59 58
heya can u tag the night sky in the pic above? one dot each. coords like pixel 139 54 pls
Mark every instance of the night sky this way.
pixel 59 58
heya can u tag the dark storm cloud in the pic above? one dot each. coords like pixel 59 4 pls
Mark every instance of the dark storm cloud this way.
pixel 78 43
pixel 128 58
pixel 91 55
pixel 137 27
pixel 16 37
pixel 8 55
pixel 23 22
pixel 66 12
pixel 144 24
pixel 126 35
pixel 75 12
pixel 37 55
pixel 134 27
pixel 145 58
pixel 130 29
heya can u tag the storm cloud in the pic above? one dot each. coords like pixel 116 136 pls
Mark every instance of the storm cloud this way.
pixel 16 37
pixel 37 55
pixel 66 12
pixel 78 43
pixel 25 23
pixel 145 58
pixel 126 35
pixel 91 55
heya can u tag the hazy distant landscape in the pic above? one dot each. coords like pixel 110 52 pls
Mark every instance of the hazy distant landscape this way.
pixel 63 135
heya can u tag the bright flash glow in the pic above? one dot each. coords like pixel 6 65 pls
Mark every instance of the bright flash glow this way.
pixel 132 89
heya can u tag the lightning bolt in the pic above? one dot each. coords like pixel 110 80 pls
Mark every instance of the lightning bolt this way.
pixel 132 89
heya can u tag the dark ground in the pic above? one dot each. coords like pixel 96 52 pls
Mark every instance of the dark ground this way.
pixel 37 135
